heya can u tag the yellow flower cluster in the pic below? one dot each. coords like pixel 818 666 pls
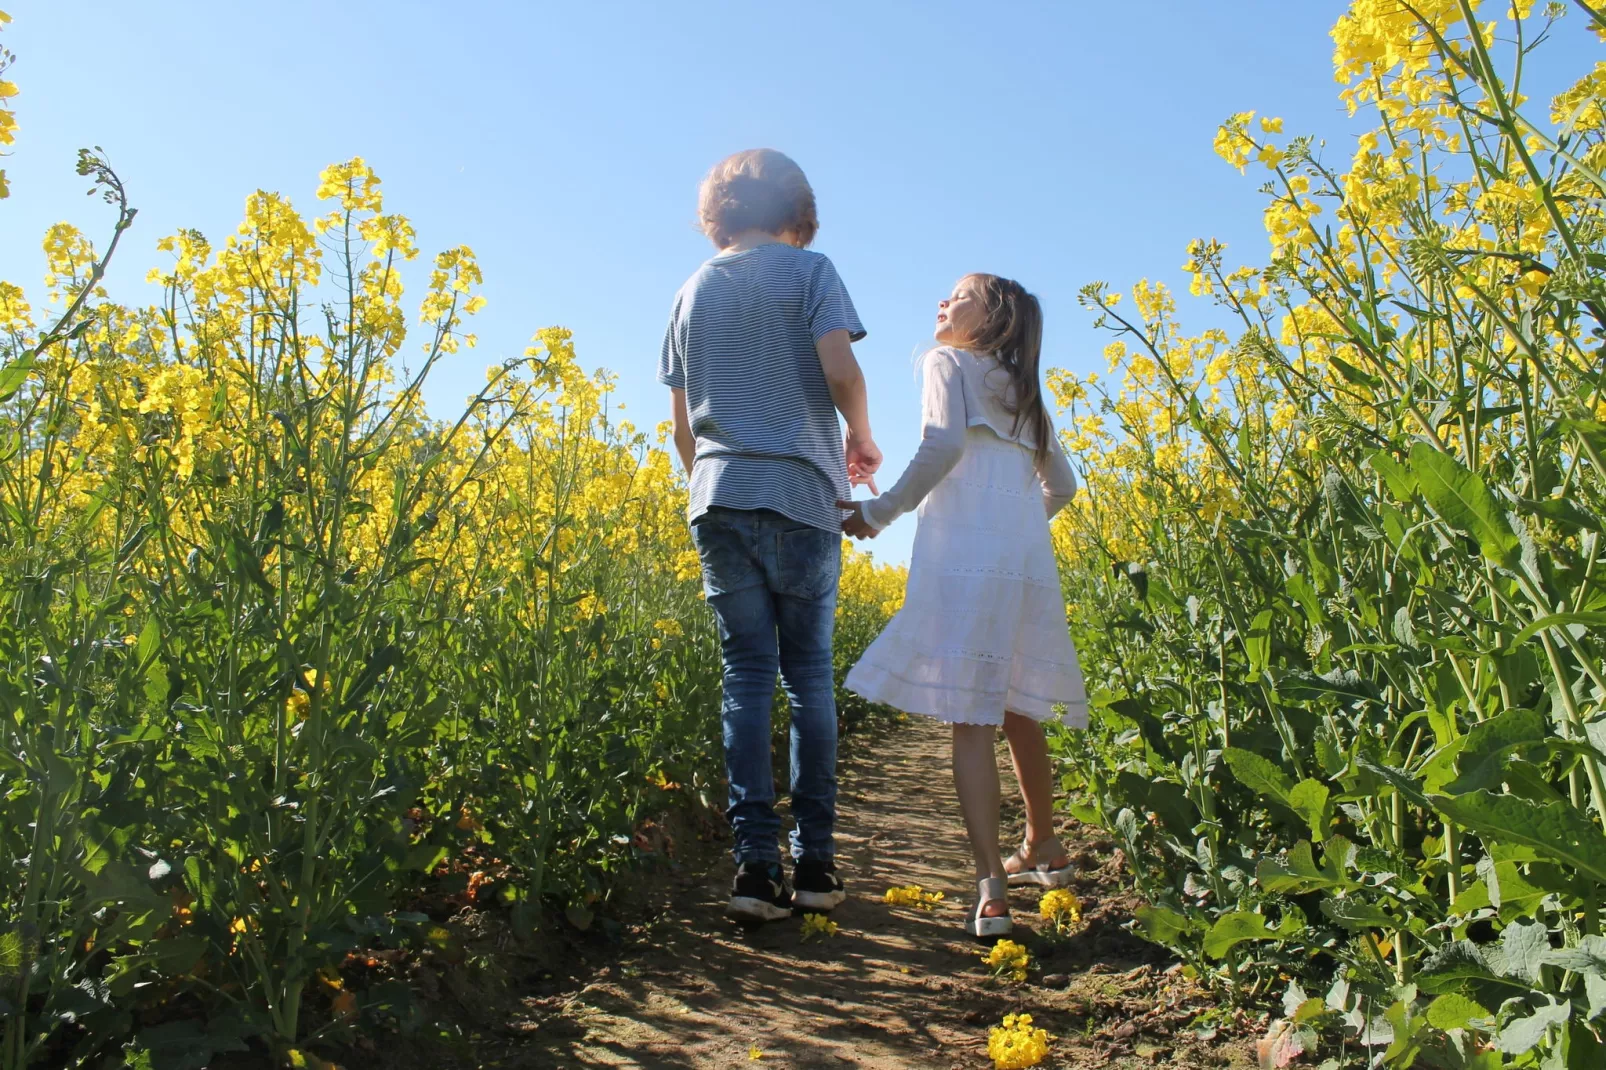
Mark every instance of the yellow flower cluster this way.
pixel 912 895
pixel 1062 908
pixel 1163 438
pixel 1008 959
pixel 8 118
pixel 1017 1043
pixel 818 927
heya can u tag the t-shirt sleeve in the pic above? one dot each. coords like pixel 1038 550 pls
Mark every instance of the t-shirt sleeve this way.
pixel 829 306
pixel 672 357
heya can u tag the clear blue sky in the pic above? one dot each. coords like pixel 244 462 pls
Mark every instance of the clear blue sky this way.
pixel 1054 142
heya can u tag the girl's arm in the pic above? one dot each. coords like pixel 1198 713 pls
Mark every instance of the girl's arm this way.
pixel 942 442
pixel 1059 481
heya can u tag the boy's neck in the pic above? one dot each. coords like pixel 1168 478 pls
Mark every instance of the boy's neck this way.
pixel 752 239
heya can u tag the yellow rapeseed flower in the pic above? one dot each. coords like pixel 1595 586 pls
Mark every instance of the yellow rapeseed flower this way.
pixel 1062 908
pixel 1008 959
pixel 818 927
pixel 911 895
pixel 1017 1044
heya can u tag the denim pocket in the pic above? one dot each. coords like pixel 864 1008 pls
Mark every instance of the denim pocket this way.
pixel 809 560
pixel 728 565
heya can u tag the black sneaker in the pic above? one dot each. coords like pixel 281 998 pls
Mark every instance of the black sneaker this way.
pixel 759 893
pixel 818 886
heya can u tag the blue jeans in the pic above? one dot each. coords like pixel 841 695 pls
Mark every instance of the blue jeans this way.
pixel 772 583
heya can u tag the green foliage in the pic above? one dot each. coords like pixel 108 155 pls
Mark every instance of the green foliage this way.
pixel 1352 729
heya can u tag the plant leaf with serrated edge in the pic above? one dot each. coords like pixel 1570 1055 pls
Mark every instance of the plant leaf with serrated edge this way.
pixel 1164 926
pixel 1300 874
pixel 1522 951
pixel 1589 957
pixel 1232 929
pixel 1463 501
pixel 1555 620
pixel 1454 966
pixel 1309 800
pixel 1403 782
pixel 1524 1034
pixel 1259 774
pixel 1454 1011
pixel 1556 828
pixel 1483 754
pixel 1357 916
pixel 1398 477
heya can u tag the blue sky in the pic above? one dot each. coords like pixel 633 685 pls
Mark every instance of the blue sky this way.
pixel 1054 142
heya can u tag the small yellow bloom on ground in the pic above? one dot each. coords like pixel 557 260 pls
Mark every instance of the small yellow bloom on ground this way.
pixel 818 926
pixel 1062 908
pixel 1008 959
pixel 755 1053
pixel 1017 1044
pixel 911 895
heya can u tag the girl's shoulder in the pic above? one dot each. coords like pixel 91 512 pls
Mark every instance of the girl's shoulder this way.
pixel 950 357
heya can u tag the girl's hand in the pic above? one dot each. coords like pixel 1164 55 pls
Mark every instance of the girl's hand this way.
pixel 856 525
pixel 864 459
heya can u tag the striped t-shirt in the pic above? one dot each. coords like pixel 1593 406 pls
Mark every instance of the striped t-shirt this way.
pixel 740 343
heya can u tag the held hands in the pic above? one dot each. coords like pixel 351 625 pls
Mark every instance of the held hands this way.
pixel 856 525
pixel 864 459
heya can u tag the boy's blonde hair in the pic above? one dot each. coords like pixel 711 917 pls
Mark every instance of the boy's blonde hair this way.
pixel 759 189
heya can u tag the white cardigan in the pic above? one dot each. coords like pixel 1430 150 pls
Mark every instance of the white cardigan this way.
pixel 964 390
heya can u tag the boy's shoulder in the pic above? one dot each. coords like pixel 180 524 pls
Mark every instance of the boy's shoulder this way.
pixel 789 260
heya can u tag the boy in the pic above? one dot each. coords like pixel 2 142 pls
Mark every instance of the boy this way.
pixel 758 361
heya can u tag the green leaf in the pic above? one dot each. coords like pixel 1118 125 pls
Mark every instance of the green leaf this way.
pixel 1453 967
pixel 1299 874
pixel 1556 620
pixel 1357 916
pixel 1463 501
pixel 1524 946
pixel 13 375
pixel 1589 957
pixel 1401 483
pixel 1452 1011
pixel 1524 1034
pixel 1309 801
pixel 1483 755
pixel 1164 926
pixel 1259 775
pixel 1556 829
pixel 1232 929
pixel 1404 783
pixel 1257 644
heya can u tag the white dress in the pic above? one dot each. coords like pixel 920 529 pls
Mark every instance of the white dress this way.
pixel 983 628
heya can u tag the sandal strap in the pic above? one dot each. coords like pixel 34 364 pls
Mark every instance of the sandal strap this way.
pixel 1026 854
pixel 991 888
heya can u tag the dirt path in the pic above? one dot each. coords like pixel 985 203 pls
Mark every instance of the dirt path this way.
pixel 895 987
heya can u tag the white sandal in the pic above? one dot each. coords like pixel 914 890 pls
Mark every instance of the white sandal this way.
pixel 988 890
pixel 1033 872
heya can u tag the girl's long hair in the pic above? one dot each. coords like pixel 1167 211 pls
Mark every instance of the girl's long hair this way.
pixel 1012 330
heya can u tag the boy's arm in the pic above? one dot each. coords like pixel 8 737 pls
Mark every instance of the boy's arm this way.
pixel 846 382
pixel 685 441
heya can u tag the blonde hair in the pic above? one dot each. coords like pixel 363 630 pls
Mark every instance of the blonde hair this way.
pixel 759 189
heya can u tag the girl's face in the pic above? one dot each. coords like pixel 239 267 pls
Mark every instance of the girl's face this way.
pixel 959 315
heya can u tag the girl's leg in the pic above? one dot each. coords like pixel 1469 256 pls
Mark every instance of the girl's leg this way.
pixel 1029 750
pixel 976 782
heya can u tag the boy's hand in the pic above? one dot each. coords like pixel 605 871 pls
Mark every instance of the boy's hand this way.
pixel 864 460
pixel 856 525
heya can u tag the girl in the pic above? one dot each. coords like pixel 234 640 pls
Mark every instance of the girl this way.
pixel 981 638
